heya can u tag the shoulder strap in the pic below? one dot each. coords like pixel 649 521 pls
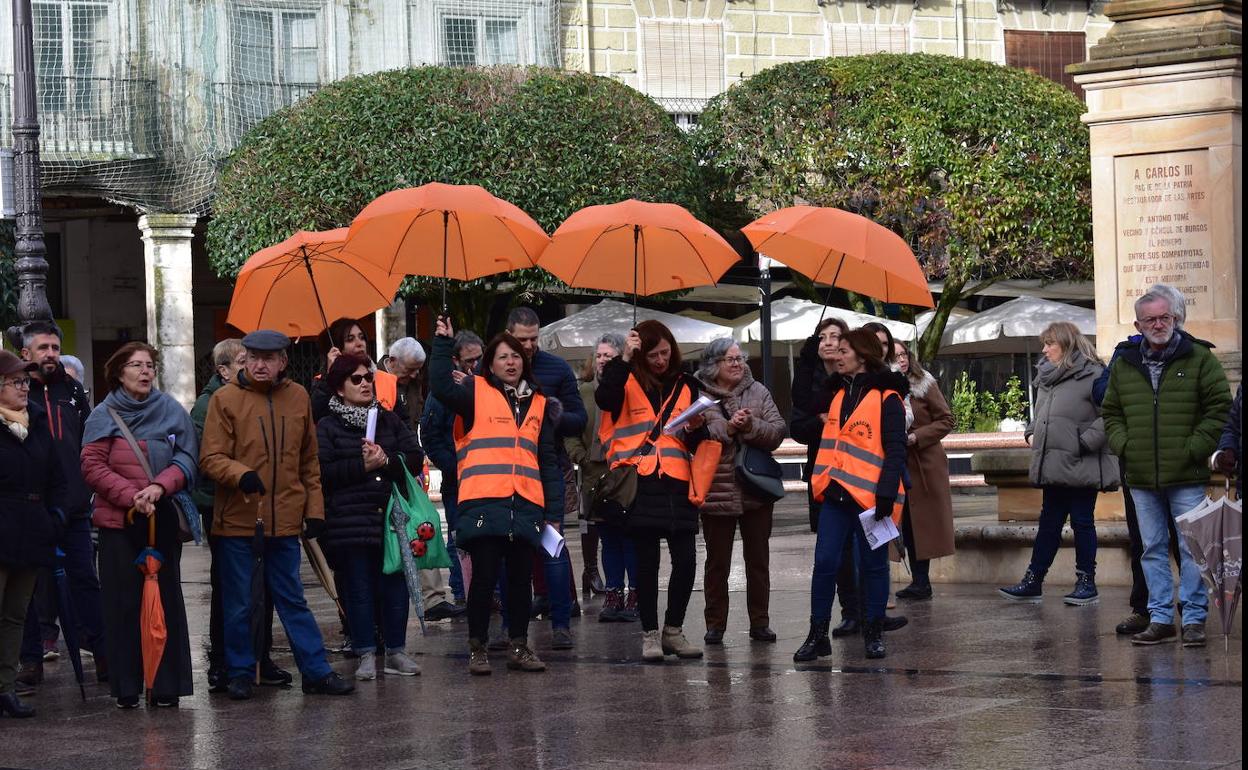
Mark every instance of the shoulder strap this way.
pixel 134 444
pixel 668 408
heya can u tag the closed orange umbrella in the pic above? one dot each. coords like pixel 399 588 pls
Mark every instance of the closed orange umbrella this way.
pixel 296 285
pixel 453 231
pixel 645 248
pixel 842 249
pixel 152 630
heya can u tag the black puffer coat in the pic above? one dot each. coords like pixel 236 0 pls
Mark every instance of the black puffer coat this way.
pixel 356 500
pixel 31 483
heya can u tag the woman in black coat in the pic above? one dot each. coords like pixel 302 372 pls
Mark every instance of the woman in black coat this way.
pixel 356 478
pixel 32 492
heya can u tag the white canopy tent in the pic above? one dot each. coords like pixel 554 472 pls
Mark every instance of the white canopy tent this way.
pixel 1013 327
pixel 956 316
pixel 793 320
pixel 575 336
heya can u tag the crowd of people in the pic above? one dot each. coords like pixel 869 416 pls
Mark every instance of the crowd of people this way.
pixel 630 451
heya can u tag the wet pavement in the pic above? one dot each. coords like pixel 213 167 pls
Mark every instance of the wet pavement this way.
pixel 972 682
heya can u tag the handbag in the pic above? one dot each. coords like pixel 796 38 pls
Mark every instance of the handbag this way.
pixel 419 511
pixel 188 526
pixel 612 494
pixel 759 473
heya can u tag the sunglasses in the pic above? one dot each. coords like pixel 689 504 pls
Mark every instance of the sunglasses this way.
pixel 356 379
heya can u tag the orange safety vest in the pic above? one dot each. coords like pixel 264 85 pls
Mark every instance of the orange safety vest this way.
pixel 498 458
pixel 623 438
pixel 386 387
pixel 853 455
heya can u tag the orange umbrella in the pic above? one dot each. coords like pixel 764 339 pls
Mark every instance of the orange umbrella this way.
pixel 842 249
pixel 152 630
pixel 453 231
pixel 646 247
pixel 293 286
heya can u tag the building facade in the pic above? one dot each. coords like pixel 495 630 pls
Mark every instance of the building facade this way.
pixel 141 100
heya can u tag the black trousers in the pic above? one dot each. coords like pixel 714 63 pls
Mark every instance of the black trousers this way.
pixel 847 575
pixel 489 556
pixel 682 546
pixel 919 568
pixel 1139 589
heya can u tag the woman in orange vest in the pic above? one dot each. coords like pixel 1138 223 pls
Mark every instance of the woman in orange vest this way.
pixel 509 482
pixel 346 336
pixel 638 393
pixel 859 465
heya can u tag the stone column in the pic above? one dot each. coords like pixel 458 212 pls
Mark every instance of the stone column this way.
pixel 167 268
pixel 1164 110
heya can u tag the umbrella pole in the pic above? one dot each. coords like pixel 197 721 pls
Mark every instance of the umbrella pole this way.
pixel 307 263
pixel 636 238
pixel 827 299
pixel 446 226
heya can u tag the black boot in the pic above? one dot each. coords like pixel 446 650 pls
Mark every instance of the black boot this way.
pixel 873 638
pixel 848 627
pixel 817 644
pixel 11 705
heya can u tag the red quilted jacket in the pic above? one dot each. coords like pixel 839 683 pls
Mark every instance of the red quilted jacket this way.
pixel 114 473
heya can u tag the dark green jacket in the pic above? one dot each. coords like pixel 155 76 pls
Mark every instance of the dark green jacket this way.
pixel 1165 438
pixel 204 488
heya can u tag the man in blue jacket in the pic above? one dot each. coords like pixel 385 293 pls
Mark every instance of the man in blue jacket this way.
pixel 1228 458
pixel 558 382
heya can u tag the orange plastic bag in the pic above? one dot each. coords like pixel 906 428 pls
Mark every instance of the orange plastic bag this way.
pixel 702 470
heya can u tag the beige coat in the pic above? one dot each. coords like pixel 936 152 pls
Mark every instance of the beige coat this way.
pixel 931 506
pixel 726 497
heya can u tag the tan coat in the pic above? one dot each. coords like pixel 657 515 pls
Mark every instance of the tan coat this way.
pixel 269 430
pixel 726 496
pixel 931 506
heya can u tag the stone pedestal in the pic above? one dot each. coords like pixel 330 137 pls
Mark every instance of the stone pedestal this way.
pixel 1164 109
pixel 167 268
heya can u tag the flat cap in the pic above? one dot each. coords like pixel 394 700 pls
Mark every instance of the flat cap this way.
pixel 266 340
pixel 11 364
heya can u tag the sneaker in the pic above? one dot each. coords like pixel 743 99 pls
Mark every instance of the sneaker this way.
pixel 478 660
pixel 330 684
pixel 366 669
pixel 240 688
pixel 24 689
pixel 630 614
pixel 165 703
pixel 400 663
pixel 651 647
pixel 612 607
pixel 1084 593
pixel 521 658
pixel 272 676
pixel 30 674
pixel 50 652
pixel 1132 624
pixel 675 643
pixel 127 702
pixel 1026 590
pixel 1194 635
pixel 1156 633
pixel 561 639
pixel 915 592
pixel 443 611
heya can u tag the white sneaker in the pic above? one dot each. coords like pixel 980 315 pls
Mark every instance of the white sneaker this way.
pixel 399 662
pixel 366 670
pixel 651 646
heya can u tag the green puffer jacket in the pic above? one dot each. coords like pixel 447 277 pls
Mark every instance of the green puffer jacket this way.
pixel 1165 438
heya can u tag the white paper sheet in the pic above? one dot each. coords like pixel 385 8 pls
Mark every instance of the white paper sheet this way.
pixel 552 541
pixel 878 532
pixel 370 429
pixel 696 408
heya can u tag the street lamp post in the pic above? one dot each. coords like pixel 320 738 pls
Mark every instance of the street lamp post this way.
pixel 29 249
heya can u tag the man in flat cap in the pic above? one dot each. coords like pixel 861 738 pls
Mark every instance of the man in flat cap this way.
pixel 259 446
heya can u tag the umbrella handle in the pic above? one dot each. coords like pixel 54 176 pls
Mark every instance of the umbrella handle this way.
pixel 151 530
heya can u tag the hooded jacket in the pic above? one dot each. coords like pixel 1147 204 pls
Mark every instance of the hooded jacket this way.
pixel 1068 445
pixel 266 428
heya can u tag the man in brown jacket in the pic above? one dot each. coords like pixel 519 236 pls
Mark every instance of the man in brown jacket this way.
pixel 259 446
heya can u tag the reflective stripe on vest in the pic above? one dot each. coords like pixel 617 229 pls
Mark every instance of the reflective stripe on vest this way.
pixel 386 386
pixel 498 458
pixel 854 456
pixel 626 440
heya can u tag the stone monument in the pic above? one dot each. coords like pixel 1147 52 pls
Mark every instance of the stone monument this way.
pixel 1164 109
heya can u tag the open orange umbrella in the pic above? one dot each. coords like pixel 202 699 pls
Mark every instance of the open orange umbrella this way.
pixel 646 248
pixel 453 231
pixel 296 285
pixel 152 630
pixel 842 249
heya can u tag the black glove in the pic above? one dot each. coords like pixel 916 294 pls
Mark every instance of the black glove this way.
pixel 250 484
pixel 884 507
pixel 809 353
pixel 313 528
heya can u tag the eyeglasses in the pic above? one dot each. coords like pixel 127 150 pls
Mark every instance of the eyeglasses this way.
pixel 356 379
pixel 732 360
pixel 141 365
pixel 22 384
pixel 472 362
pixel 1158 320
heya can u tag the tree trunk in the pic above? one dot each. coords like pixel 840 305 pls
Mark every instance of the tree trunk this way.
pixel 929 343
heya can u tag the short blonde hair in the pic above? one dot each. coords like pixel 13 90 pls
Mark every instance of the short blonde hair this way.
pixel 1067 336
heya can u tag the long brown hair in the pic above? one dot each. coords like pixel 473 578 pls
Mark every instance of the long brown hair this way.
pixel 651 333
pixel 866 345
pixel 875 327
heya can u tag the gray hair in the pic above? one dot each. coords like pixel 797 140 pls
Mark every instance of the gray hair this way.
pixel 712 354
pixel 613 339
pixel 407 350
pixel 522 316
pixel 1173 297
pixel 73 363
pixel 225 351
pixel 464 339
pixel 35 328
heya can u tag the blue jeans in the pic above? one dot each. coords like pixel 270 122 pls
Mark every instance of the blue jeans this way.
pixel 1155 509
pixel 619 558
pixel 281 574
pixel 365 590
pixel 838 523
pixel 450 503
pixel 84 593
pixel 1057 503
pixel 558 585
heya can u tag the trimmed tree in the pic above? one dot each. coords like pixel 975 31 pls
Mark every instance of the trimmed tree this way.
pixel 549 141
pixel 983 169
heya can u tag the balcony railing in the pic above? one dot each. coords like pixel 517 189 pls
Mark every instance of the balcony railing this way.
pixel 88 119
pixel 238 106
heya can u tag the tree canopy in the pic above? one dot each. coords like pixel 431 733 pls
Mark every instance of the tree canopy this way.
pixel 549 141
pixel 983 169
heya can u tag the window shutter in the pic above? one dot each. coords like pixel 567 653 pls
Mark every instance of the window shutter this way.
pixel 682 59
pixel 1047 54
pixel 859 39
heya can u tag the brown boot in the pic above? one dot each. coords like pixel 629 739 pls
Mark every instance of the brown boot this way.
pixel 675 643
pixel 521 658
pixel 478 660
